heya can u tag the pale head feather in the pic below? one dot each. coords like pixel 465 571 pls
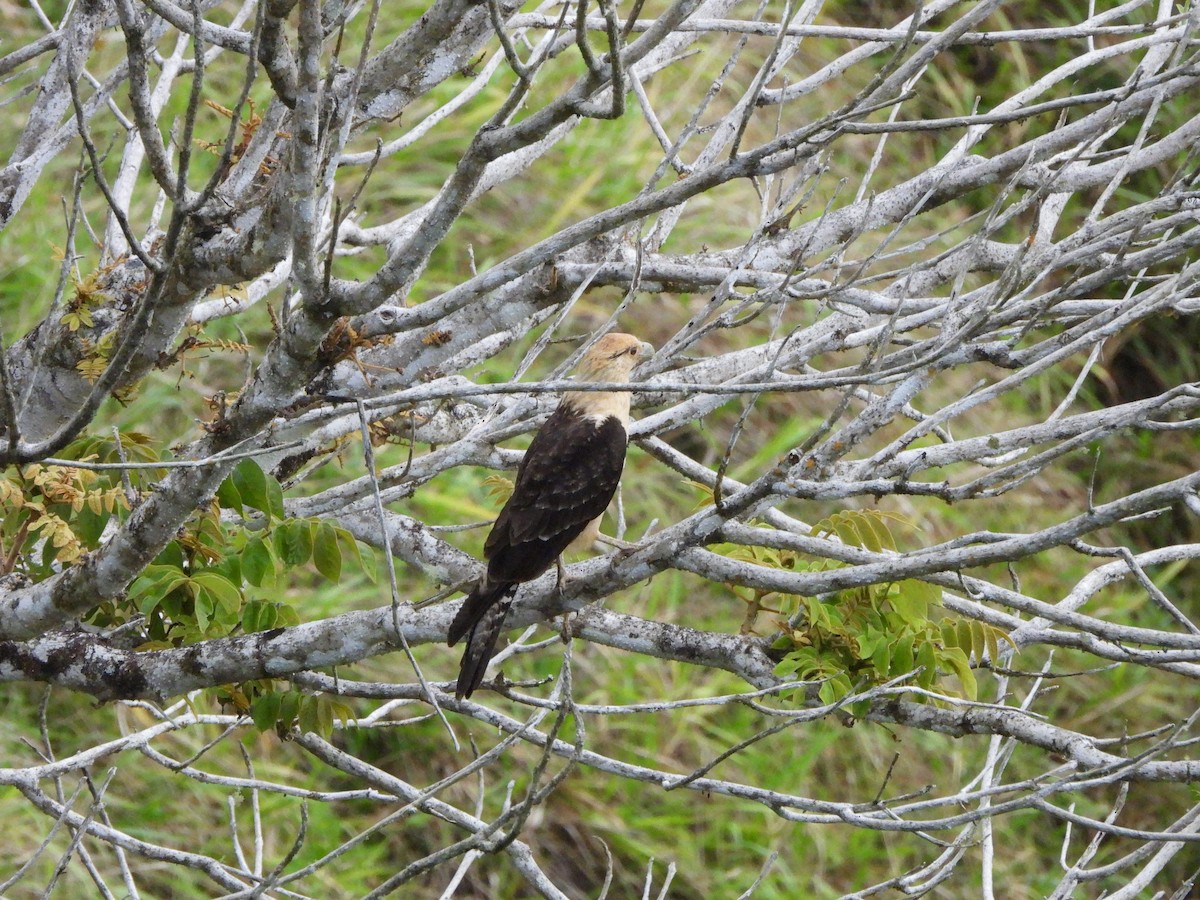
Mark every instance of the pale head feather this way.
pixel 611 358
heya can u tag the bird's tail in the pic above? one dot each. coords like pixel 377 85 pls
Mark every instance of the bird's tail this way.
pixel 480 620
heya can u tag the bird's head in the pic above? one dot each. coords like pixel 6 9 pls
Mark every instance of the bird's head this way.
pixel 612 358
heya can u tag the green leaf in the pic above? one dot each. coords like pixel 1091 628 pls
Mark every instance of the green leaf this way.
pixel 847 529
pixel 228 496
pixel 289 707
pixel 949 633
pixel 155 583
pixel 274 499
pixel 13 520
pixel 868 641
pixel 223 592
pixel 170 555
pixel 957 660
pixel 204 607
pixel 308 715
pixel 964 636
pixel 978 641
pixel 868 533
pixel 883 535
pixel 287 617
pixel 140 446
pixel 230 568
pixel 327 553
pixel 324 706
pixel 293 542
pixel 175 601
pixel 881 658
pixel 370 566
pixel 788 666
pixel 993 645
pixel 264 710
pixel 251 483
pixel 258 615
pixel 316 715
pixel 835 689
pixel 342 711
pixel 151 578
pixel 902 656
pixel 351 551
pixel 149 603
pixel 258 563
pixel 88 526
pixel 910 603
pixel 927 658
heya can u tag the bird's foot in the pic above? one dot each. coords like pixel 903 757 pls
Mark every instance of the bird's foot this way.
pixel 566 627
pixel 621 549
pixel 618 543
pixel 558 581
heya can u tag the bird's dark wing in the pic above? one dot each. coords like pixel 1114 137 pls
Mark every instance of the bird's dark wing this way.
pixel 567 478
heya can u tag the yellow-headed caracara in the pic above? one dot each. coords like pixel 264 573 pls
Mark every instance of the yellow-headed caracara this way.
pixel 564 484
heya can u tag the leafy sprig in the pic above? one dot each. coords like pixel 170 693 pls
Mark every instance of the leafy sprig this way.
pixel 864 636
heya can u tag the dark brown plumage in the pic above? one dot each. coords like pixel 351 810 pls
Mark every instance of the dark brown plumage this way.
pixel 564 483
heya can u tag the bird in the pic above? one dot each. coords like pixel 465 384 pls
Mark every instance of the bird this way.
pixel 564 483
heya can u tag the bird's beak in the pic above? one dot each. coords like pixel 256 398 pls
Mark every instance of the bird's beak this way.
pixel 647 350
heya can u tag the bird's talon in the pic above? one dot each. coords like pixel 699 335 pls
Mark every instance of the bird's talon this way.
pixel 626 552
